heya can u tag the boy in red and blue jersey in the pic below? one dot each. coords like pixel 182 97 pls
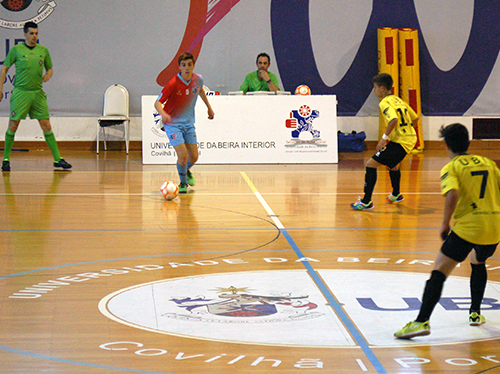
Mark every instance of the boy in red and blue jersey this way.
pixel 176 104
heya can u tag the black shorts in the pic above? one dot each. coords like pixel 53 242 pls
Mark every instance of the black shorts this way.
pixel 391 155
pixel 458 249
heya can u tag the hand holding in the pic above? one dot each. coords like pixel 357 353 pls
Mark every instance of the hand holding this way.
pixel 264 75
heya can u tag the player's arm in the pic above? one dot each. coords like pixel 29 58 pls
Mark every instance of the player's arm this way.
pixel 450 203
pixel 3 75
pixel 211 113
pixel 382 143
pixel 165 117
pixel 392 124
pixel 48 74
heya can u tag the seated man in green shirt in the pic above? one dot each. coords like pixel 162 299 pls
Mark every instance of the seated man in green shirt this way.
pixel 261 79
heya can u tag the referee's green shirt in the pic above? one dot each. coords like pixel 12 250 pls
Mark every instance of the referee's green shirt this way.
pixel 30 64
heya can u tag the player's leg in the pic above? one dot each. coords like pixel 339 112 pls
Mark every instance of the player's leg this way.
pixel 192 158
pixel 453 251
pixel 395 175
pixel 478 280
pixel 193 153
pixel 370 181
pixel 176 138
pixel 434 286
pixel 392 156
pixel 182 157
pixel 432 294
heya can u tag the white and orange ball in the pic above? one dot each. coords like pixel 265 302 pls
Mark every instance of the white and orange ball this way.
pixel 169 190
pixel 302 90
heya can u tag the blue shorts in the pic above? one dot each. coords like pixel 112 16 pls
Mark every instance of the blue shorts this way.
pixel 178 134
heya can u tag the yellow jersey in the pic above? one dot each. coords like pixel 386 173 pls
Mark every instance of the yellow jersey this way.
pixel 393 107
pixel 477 214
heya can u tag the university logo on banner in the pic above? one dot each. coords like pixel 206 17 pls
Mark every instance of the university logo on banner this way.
pixel 22 11
pixel 302 128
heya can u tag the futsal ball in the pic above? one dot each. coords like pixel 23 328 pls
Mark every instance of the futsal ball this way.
pixel 302 90
pixel 169 190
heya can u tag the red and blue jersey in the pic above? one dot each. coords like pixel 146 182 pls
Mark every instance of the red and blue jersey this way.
pixel 179 98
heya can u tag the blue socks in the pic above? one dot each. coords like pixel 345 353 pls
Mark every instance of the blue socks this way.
pixel 182 170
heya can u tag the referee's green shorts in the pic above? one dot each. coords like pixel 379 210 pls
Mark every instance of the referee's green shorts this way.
pixel 33 103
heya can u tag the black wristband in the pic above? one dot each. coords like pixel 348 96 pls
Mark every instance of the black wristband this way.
pixel 269 81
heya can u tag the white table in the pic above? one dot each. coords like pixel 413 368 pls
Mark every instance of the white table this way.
pixel 256 129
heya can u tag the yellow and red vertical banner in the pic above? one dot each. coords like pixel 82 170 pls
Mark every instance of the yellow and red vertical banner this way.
pixel 398 56
pixel 388 62
pixel 409 77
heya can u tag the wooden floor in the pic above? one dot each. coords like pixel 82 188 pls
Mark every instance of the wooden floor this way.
pixel 259 269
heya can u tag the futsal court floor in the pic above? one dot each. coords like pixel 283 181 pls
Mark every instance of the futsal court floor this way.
pixel 258 269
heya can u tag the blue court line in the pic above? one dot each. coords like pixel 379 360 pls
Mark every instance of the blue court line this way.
pixel 63 361
pixel 319 282
pixel 335 305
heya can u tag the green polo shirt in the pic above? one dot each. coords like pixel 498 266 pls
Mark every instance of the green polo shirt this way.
pixel 253 83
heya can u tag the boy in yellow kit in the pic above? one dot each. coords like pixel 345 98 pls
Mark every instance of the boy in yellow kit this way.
pixel 397 141
pixel 471 185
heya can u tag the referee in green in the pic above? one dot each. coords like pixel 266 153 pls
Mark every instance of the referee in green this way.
pixel 28 97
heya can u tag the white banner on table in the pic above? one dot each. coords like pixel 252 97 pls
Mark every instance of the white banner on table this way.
pixel 257 129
